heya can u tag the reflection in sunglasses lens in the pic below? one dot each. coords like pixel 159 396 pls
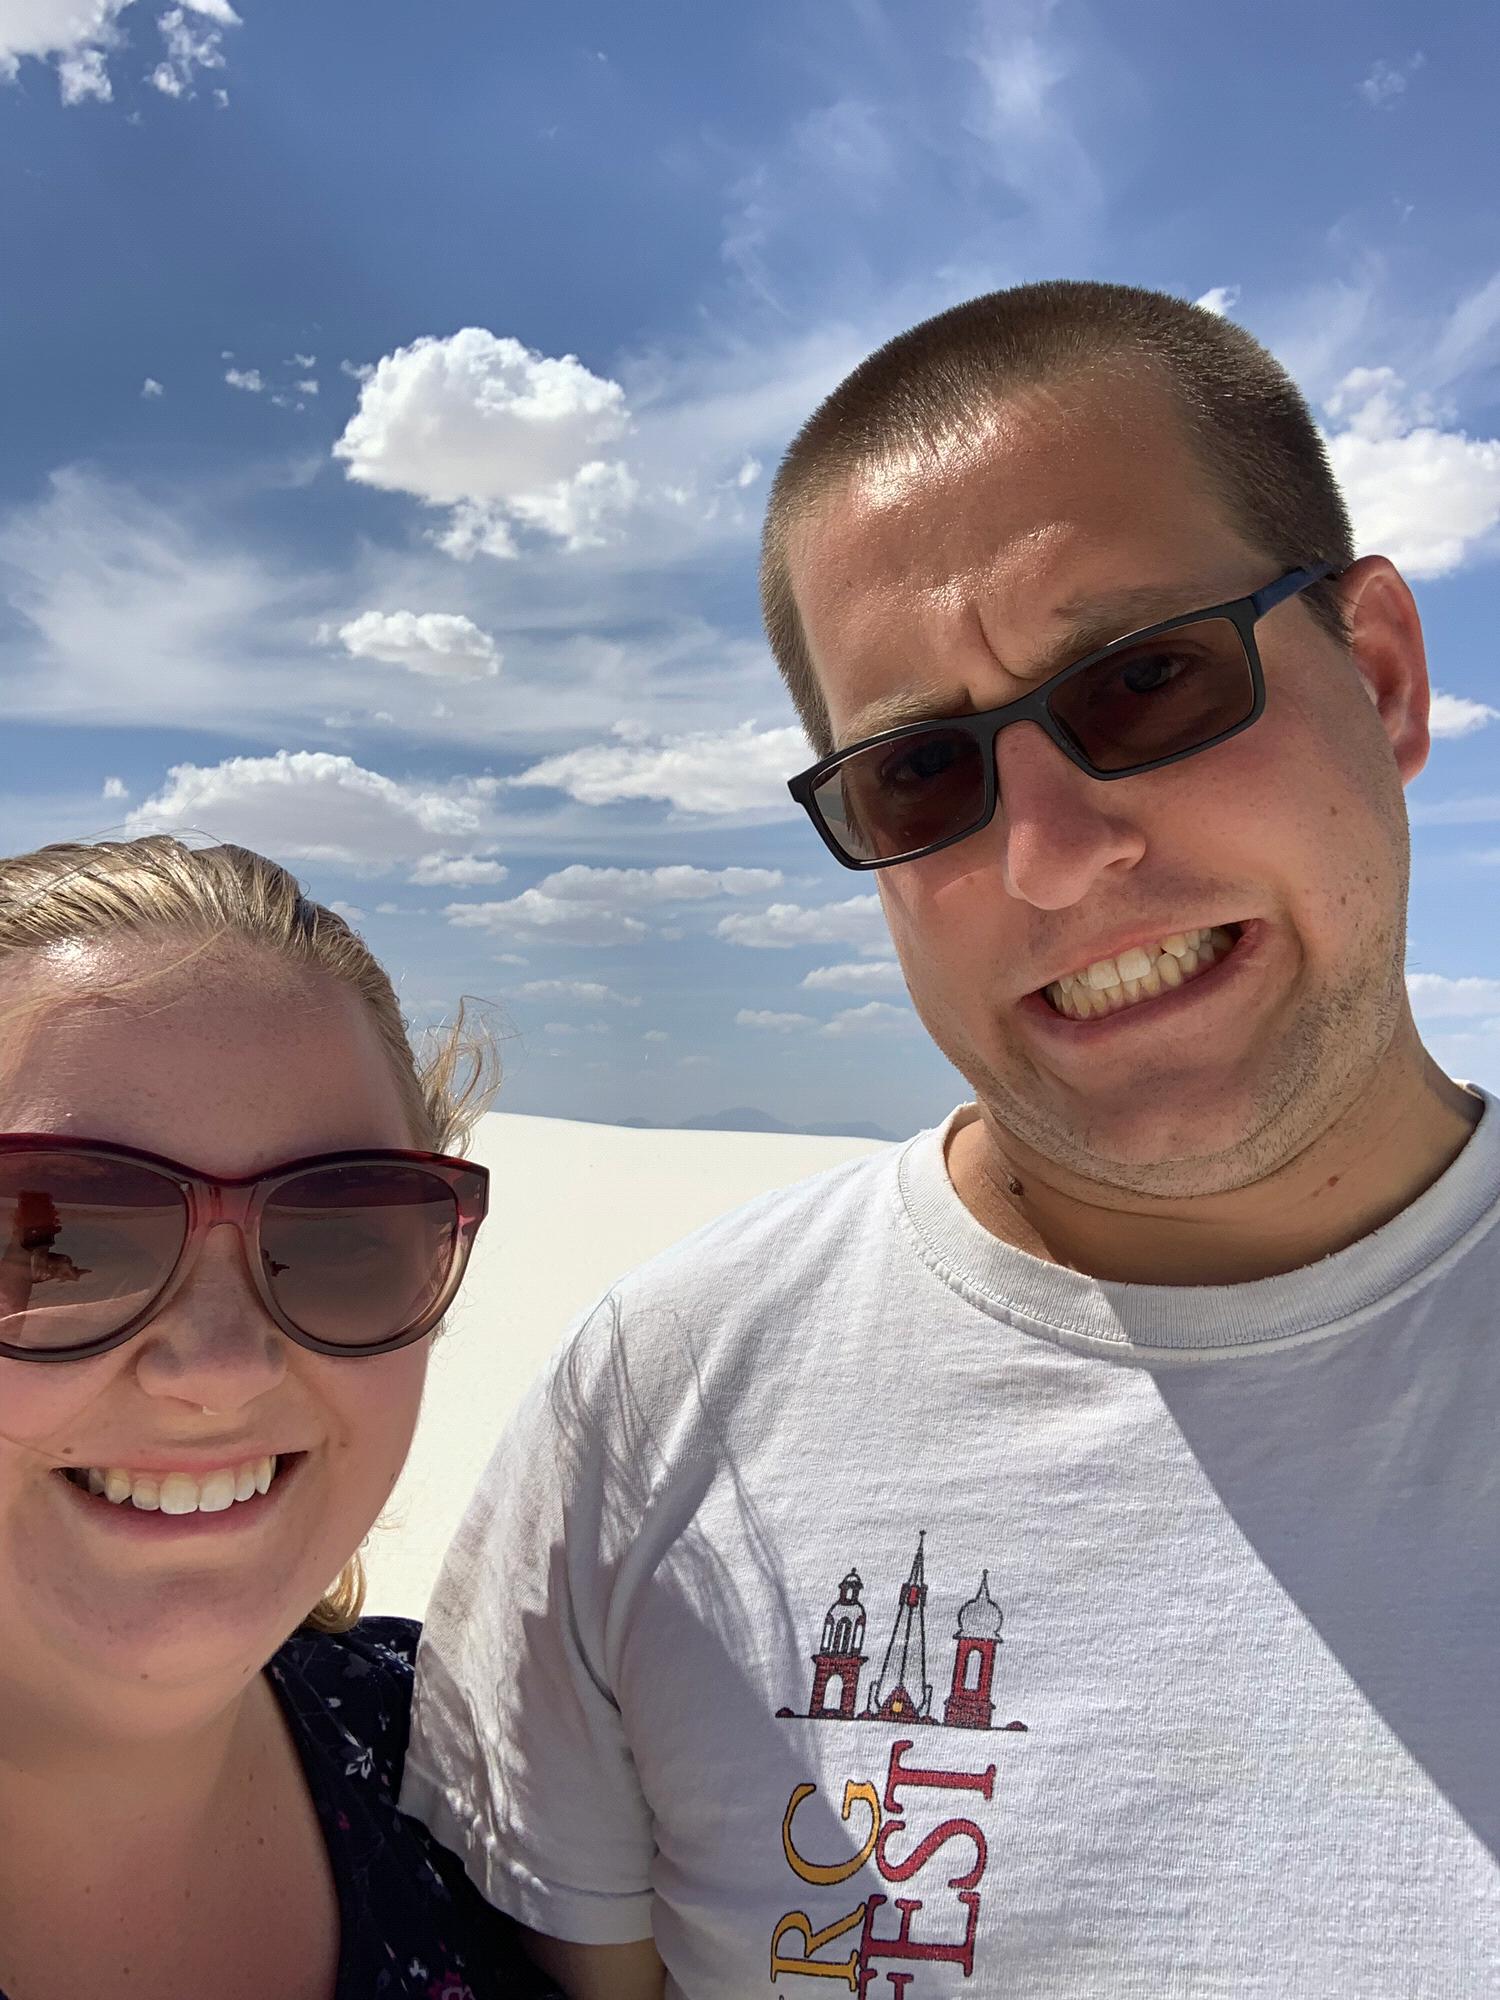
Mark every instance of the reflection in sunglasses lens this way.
pixel 354 1254
pixel 85 1245
pixel 1169 694
pixel 895 798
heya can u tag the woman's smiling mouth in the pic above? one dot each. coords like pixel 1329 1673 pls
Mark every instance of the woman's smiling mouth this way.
pixel 150 1500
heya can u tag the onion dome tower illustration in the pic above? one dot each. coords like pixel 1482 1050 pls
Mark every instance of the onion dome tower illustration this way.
pixel 978 1637
pixel 902 1692
pixel 837 1662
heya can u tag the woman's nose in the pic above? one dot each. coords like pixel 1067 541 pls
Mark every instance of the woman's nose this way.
pixel 214 1345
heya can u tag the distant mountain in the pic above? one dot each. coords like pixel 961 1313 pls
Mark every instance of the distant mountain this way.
pixel 745 1118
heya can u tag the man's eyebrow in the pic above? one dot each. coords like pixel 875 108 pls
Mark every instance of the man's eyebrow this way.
pixel 895 711
pixel 1088 624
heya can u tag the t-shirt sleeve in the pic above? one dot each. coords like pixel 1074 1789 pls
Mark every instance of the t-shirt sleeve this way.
pixel 518 1758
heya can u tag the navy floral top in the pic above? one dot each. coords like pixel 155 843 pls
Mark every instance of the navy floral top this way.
pixel 413 1926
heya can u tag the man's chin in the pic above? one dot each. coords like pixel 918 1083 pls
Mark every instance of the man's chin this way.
pixel 1171 1142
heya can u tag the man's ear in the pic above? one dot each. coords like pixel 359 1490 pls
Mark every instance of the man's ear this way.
pixel 1385 638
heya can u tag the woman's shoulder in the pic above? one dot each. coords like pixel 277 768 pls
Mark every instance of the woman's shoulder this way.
pixel 359 1682
pixel 412 1922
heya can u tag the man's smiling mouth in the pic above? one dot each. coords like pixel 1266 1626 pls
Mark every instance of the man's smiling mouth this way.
pixel 1143 972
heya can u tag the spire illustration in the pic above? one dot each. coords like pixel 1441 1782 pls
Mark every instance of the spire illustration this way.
pixel 902 1692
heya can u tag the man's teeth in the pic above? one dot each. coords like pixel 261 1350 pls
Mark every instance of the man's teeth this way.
pixel 180 1492
pixel 1140 973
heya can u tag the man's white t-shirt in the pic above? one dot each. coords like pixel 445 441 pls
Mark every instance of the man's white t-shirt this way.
pixel 860 1604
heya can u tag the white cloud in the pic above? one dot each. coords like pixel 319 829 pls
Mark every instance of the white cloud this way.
pixel 1456 715
pixel 874 1018
pixel 1481 811
pixel 249 379
pixel 713 771
pixel 84 75
pixel 131 614
pixel 151 387
pixel 857 922
pixel 588 992
pixel 568 1028
pixel 581 905
pixel 115 788
pixel 1219 299
pixel 307 805
pixel 547 919
pixel 456 871
pixel 1468 335
pixel 425 642
pixel 502 436
pixel 79 35
pixel 656 1035
pixel 189 48
pixel 876 975
pixel 1427 497
pixel 306 387
pixel 350 912
pixel 302 361
pixel 765 1017
pixel 609 887
pixel 1387 81
pixel 1434 997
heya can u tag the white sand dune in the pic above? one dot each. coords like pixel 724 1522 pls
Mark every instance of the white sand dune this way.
pixel 572 1206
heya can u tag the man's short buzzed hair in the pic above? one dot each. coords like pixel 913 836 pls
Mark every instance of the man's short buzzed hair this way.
pixel 1244 416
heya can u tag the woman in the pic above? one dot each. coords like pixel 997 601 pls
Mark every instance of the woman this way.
pixel 213 1339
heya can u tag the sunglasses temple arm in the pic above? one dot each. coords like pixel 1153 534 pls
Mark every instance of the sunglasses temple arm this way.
pixel 1288 586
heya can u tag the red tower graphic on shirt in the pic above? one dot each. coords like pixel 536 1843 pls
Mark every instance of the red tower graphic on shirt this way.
pixel 969 1705
pixel 837 1662
pixel 902 1691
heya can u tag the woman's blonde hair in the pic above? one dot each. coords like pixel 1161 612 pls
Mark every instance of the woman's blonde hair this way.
pixel 80 891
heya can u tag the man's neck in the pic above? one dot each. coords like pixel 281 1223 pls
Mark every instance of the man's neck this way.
pixel 1384 1149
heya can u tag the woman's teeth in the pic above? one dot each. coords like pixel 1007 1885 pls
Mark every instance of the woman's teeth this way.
pixel 179 1492
pixel 1138 974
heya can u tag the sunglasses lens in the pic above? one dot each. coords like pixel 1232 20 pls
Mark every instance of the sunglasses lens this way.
pixel 86 1243
pixel 895 799
pixel 1169 694
pixel 357 1254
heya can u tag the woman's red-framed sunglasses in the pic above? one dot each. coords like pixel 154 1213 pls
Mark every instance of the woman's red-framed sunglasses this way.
pixel 350 1253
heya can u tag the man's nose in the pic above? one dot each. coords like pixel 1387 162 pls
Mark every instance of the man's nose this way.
pixel 214 1346
pixel 1061 829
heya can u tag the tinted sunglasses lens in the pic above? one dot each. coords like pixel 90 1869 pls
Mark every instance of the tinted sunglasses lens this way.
pixel 355 1255
pixel 1168 694
pixel 86 1244
pixel 895 799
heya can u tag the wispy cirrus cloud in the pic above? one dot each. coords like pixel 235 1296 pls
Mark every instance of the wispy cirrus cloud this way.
pixel 1437 997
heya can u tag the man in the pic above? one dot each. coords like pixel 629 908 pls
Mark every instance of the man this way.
pixel 1057 1557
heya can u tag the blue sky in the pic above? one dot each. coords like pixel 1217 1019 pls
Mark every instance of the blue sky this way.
pixel 393 390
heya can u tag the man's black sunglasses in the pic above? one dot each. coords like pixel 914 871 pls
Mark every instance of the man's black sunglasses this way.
pixel 1143 701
